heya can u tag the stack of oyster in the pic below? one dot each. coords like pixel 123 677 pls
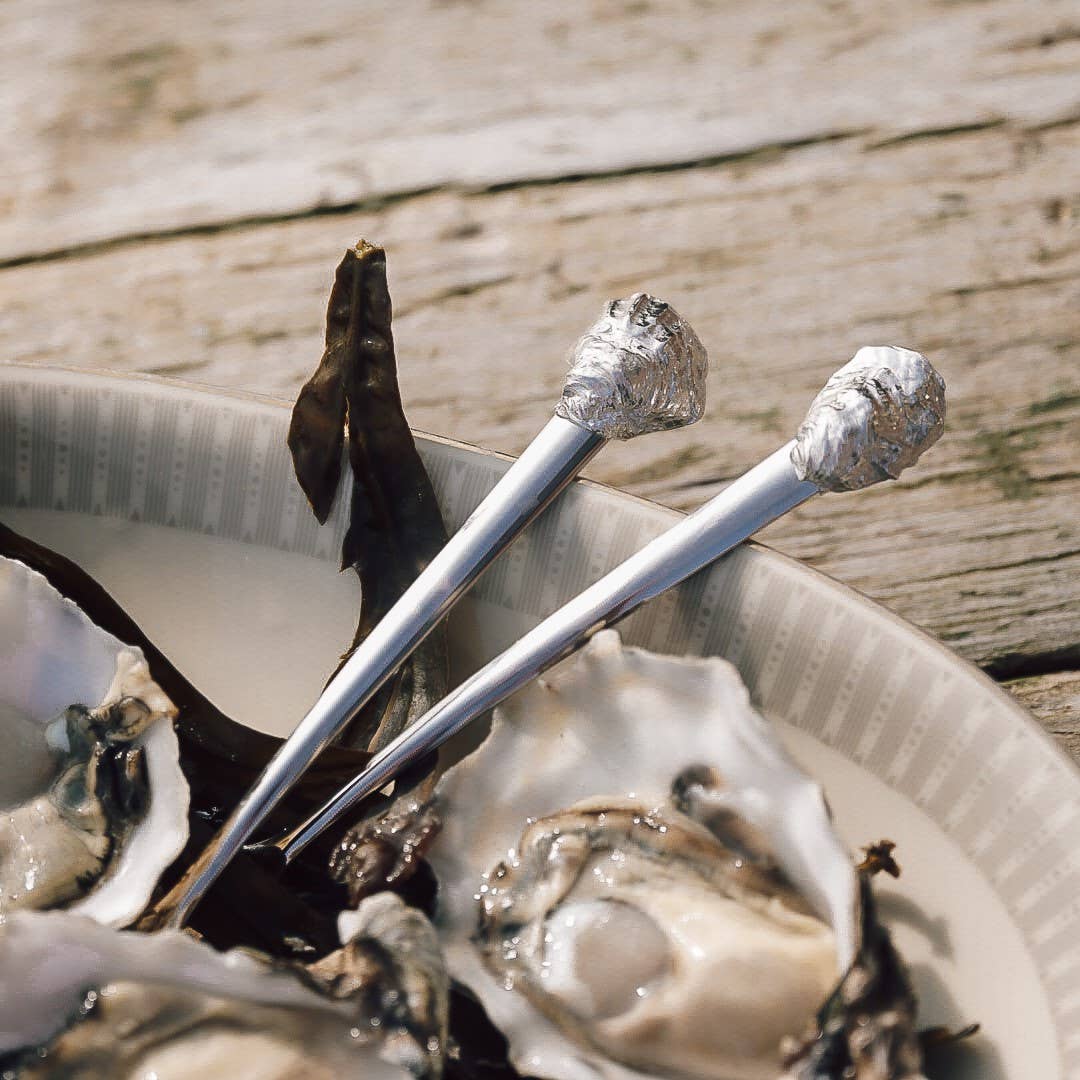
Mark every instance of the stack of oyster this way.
pixel 679 906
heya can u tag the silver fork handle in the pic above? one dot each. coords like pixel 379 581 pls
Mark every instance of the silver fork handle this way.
pixel 761 495
pixel 548 464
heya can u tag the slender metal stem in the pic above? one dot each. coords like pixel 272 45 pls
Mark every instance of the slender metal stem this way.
pixel 763 494
pixel 549 463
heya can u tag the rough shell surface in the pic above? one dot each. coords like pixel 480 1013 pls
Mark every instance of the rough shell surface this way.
pixel 639 368
pixel 612 726
pixel 169 1005
pixel 873 419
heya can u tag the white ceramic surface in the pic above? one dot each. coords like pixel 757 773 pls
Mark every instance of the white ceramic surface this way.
pixel 181 501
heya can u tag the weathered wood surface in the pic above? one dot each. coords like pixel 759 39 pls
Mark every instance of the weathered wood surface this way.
pixel 137 118
pixel 1055 700
pixel 798 179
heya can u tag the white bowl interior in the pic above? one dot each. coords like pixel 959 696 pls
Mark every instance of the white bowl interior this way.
pixel 182 503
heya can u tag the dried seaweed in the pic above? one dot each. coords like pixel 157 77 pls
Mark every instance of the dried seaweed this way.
pixel 383 853
pixel 220 756
pixel 221 759
pixel 395 527
pixel 866 1028
pixel 477 1049
pixel 948 1053
pixel 878 858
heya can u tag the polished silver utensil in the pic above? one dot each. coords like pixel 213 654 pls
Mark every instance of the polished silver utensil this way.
pixel 873 419
pixel 640 368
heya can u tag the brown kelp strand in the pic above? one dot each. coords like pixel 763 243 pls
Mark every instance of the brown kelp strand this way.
pixel 384 852
pixel 253 907
pixel 395 527
pixel 220 756
pixel 866 1028
pixel 477 1049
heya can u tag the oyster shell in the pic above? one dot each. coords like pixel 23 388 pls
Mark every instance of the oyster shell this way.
pixel 93 805
pixel 169 1006
pixel 220 759
pixel 659 891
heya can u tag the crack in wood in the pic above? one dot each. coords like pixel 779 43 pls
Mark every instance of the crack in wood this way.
pixel 765 152
pixel 1011 666
pixel 1031 560
pixel 466 288
pixel 1048 39
pixel 1064 399
pixel 937 133
pixel 214 228
pixel 1068 119
pixel 1033 281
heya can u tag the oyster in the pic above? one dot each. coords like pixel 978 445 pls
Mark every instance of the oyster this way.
pixel 220 759
pixel 169 1006
pixel 659 891
pixel 93 805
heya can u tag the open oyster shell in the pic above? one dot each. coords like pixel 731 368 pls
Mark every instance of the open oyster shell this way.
pixel 130 1005
pixel 636 880
pixel 93 805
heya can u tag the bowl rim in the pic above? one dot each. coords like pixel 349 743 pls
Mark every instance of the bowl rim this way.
pixel 171 383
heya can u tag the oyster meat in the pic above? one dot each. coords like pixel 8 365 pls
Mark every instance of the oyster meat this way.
pixel 169 1006
pixel 636 880
pixel 93 805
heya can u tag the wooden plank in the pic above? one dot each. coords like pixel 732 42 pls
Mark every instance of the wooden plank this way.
pixel 966 246
pixel 135 119
pixel 1055 701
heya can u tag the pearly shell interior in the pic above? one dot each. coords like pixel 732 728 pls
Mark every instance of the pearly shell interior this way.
pixel 52 656
pixel 607 725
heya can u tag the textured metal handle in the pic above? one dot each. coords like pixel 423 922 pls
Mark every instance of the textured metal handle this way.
pixel 640 368
pixel 751 502
pixel 874 417
pixel 543 470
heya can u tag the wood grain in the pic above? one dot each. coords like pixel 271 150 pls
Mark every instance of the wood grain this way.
pixel 132 119
pixel 1055 701
pixel 797 179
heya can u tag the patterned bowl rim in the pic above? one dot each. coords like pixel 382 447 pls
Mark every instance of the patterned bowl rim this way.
pixel 1009 713
pixel 1003 699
